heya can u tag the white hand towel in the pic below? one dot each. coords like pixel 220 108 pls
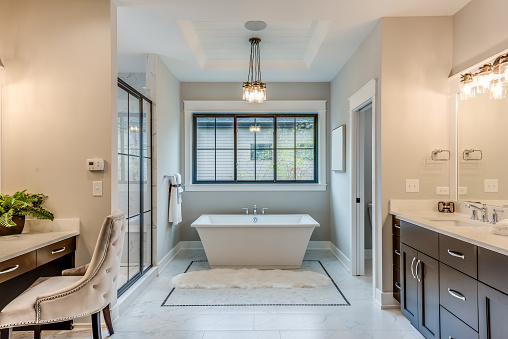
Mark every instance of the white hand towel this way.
pixel 501 227
pixel 175 199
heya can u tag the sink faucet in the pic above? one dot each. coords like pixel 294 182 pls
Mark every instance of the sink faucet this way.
pixel 482 209
pixel 255 212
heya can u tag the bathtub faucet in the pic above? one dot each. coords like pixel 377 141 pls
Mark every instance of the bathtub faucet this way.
pixel 255 211
pixel 246 210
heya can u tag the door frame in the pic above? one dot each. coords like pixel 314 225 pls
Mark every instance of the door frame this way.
pixel 365 96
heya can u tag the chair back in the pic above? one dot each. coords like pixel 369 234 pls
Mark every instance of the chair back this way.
pixel 105 264
pixel 94 290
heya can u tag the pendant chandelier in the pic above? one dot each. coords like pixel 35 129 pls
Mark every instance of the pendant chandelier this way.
pixel 254 90
pixel 490 78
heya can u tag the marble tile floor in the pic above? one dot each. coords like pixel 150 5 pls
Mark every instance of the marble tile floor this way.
pixel 145 318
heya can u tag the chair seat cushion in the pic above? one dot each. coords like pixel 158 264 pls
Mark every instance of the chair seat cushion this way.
pixel 21 311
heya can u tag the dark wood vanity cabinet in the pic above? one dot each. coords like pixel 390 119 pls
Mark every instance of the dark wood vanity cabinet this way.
pixel 419 285
pixel 451 288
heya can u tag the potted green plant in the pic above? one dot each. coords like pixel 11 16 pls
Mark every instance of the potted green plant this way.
pixel 14 208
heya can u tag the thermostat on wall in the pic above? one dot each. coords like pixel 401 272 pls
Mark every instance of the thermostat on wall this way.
pixel 95 164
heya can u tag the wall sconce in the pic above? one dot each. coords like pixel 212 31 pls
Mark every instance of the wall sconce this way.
pixel 490 78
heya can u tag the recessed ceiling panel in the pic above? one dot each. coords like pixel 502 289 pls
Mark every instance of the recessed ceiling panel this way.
pixel 225 45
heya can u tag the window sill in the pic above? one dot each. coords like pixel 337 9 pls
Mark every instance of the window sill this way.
pixel 254 187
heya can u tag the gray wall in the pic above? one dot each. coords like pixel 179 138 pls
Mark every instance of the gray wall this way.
pixel 197 203
pixel 411 58
pixel 479 31
pixel 166 149
pixel 364 65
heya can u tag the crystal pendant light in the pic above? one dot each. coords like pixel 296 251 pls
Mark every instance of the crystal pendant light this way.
pixel 254 90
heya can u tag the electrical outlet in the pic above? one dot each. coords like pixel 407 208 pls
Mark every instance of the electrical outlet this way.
pixel 443 190
pixel 491 185
pixel 412 185
pixel 463 190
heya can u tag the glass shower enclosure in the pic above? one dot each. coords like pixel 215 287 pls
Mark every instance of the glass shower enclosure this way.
pixel 134 182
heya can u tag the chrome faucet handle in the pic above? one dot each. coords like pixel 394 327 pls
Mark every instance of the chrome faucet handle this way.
pixel 474 215
pixel 495 216
pixel 263 210
pixel 255 211
pixel 246 210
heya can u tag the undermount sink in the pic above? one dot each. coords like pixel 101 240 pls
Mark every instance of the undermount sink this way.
pixel 447 221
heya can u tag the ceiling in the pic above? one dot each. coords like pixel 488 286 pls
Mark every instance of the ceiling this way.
pixel 304 41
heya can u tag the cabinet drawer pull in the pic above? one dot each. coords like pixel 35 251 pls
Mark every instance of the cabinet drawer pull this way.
pixel 396 226
pixel 456 294
pixel 397 252
pixel 412 272
pixel 397 285
pixel 10 269
pixel 58 250
pixel 456 254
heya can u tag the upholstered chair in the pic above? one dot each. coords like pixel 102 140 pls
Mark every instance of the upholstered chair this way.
pixel 77 293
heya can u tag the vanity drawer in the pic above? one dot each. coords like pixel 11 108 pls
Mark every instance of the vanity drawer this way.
pixel 396 251
pixel 16 266
pixel 419 238
pixel 458 293
pixel 458 254
pixel 493 269
pixel 453 327
pixel 56 250
pixel 395 226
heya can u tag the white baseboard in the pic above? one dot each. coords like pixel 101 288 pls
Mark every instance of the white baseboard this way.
pixel 386 299
pixel 191 245
pixel 197 245
pixel 168 258
pixel 341 256
pixel 318 245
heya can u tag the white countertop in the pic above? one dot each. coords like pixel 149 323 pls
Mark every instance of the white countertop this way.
pixel 37 234
pixel 474 232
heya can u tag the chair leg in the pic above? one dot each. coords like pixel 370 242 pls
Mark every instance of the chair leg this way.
pixel 37 331
pixel 6 333
pixel 107 317
pixel 96 325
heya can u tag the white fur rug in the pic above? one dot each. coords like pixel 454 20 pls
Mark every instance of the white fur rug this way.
pixel 248 278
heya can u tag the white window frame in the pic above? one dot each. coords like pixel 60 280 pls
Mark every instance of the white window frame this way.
pixel 269 107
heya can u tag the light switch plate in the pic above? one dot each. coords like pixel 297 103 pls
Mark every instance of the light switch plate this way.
pixel 462 190
pixel 443 190
pixel 97 188
pixel 412 185
pixel 491 185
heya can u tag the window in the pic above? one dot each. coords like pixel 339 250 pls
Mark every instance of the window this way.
pixel 227 148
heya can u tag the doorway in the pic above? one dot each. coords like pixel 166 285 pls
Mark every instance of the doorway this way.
pixel 364 188
pixel 362 112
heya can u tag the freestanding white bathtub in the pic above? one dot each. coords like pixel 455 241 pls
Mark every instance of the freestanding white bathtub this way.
pixel 261 241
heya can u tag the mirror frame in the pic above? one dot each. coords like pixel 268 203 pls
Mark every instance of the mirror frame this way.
pixel 453 98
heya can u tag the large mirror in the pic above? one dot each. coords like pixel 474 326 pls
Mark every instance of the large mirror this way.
pixel 482 149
